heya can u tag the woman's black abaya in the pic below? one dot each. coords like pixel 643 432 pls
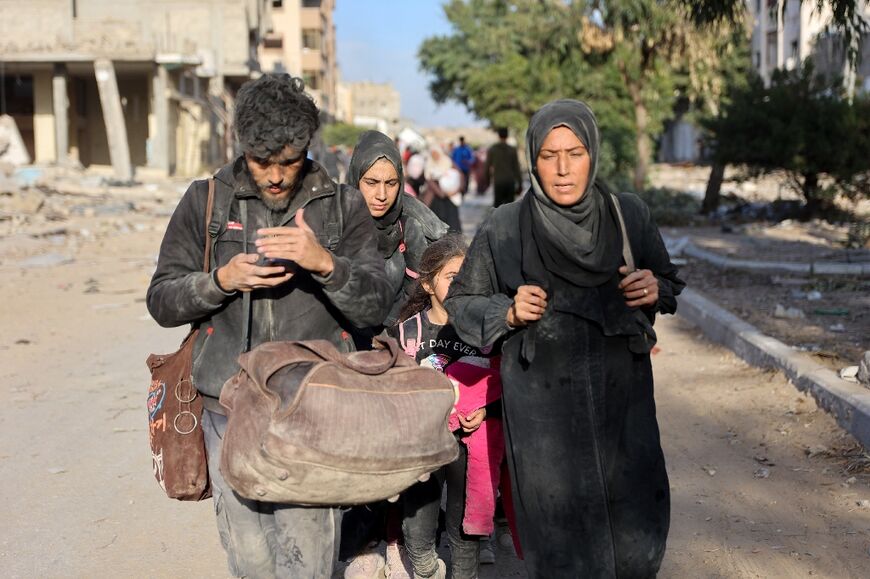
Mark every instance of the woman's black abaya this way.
pixel 589 482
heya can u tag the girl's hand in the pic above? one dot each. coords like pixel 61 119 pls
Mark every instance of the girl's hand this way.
pixel 473 421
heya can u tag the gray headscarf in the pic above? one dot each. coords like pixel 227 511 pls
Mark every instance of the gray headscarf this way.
pixel 374 145
pixel 580 243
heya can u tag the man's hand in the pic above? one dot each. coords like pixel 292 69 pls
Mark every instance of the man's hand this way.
pixel 297 244
pixel 243 274
pixel 640 288
pixel 529 305
pixel 473 421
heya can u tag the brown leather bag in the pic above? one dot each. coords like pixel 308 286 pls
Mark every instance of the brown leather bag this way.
pixel 308 425
pixel 175 412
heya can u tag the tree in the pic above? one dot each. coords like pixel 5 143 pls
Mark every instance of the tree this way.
pixel 626 58
pixel 341 134
pixel 803 126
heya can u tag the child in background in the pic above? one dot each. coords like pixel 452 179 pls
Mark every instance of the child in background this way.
pixel 472 480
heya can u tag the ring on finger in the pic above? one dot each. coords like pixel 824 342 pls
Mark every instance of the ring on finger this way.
pixel 645 292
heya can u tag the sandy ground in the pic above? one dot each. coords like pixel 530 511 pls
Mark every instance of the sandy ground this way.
pixel 759 483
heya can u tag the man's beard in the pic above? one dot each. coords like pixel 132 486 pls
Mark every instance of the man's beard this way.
pixel 275 204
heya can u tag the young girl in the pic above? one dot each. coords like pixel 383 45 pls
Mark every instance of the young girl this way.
pixel 472 480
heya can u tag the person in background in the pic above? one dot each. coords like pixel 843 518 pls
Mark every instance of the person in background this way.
pixel 443 196
pixel 549 277
pixel 503 167
pixel 463 158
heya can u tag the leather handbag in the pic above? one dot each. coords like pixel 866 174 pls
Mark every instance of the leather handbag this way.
pixel 175 412
pixel 309 425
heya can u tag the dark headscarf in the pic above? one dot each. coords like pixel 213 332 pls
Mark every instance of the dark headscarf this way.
pixel 373 145
pixel 580 243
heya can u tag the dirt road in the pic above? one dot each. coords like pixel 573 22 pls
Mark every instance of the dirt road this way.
pixel 758 484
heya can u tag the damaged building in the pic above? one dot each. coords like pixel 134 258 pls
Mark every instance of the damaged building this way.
pixel 130 86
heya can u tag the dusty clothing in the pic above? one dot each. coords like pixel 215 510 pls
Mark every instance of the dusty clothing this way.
pixel 405 230
pixel 268 539
pixel 306 307
pixel 504 165
pixel 582 438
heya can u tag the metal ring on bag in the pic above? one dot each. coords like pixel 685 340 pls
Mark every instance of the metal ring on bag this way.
pixel 179 415
pixel 178 389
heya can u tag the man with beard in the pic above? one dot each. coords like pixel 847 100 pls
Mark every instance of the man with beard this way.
pixel 294 257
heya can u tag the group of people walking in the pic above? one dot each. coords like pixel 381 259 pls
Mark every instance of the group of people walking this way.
pixel 545 323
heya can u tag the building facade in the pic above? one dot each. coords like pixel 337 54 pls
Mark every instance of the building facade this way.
pixel 130 84
pixel 301 41
pixel 374 105
pixel 785 33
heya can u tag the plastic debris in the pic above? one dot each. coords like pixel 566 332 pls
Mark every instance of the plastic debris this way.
pixel 788 313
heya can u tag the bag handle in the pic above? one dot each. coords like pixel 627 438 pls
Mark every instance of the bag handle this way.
pixel 327 351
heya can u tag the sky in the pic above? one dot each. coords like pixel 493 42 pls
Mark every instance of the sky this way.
pixel 377 40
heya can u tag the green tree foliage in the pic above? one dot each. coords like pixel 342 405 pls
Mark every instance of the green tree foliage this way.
pixel 801 125
pixel 341 134
pixel 629 59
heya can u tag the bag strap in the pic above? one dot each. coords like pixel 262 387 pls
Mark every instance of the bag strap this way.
pixel 627 256
pixel 246 296
pixel 411 345
pixel 328 352
pixel 209 209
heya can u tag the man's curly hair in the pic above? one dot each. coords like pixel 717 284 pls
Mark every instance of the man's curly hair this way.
pixel 272 112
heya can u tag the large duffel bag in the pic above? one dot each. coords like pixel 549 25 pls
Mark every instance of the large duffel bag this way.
pixel 308 425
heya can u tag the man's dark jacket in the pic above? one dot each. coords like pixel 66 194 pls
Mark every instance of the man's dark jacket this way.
pixel 307 307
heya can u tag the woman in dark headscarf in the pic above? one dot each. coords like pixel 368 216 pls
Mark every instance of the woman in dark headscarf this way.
pixel 405 226
pixel 549 278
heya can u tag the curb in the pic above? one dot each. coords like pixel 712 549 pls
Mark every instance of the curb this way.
pixel 812 268
pixel 849 403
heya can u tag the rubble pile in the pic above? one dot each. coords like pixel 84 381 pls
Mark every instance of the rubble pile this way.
pixel 45 212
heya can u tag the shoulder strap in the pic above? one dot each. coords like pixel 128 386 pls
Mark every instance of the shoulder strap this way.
pixel 246 296
pixel 333 218
pixel 411 345
pixel 627 256
pixel 209 209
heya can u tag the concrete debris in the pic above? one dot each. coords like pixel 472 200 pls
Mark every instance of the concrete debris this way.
pixel 864 370
pixel 675 247
pixel 45 260
pixel 814 296
pixel 12 149
pixel 761 473
pixel 783 312
pixel 849 373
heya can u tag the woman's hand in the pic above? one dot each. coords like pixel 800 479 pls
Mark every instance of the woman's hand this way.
pixel 640 288
pixel 473 421
pixel 529 305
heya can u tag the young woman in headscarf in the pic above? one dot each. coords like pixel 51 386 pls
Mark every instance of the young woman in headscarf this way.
pixel 547 276
pixel 405 226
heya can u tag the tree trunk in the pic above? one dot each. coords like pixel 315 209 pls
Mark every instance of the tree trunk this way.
pixel 714 185
pixel 817 205
pixel 642 141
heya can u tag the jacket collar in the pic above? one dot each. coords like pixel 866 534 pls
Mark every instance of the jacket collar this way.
pixel 316 184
